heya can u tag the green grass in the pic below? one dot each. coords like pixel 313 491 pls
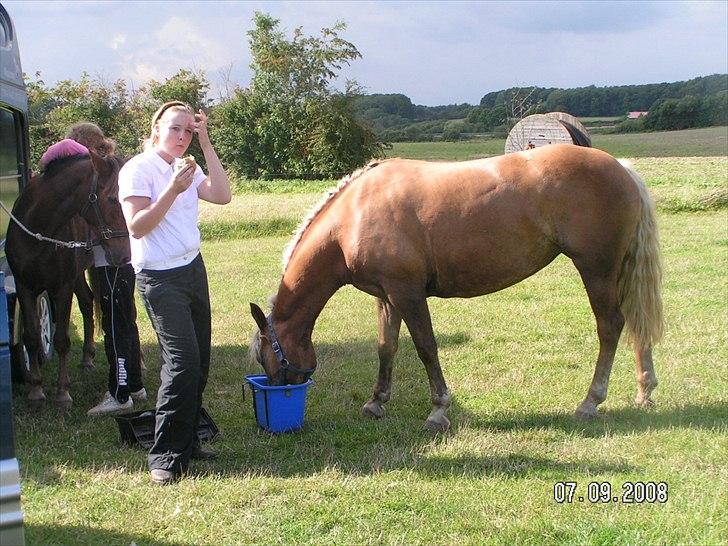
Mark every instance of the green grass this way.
pixel 712 141
pixel 242 229
pixel 279 186
pixel 686 184
pixel 517 362
pixel 599 119
pixel 448 151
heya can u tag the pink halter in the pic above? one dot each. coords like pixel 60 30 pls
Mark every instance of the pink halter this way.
pixel 64 148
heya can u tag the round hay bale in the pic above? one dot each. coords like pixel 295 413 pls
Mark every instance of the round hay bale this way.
pixel 543 129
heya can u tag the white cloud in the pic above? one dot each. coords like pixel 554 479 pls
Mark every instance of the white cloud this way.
pixel 180 40
pixel 117 41
pixel 177 44
pixel 142 72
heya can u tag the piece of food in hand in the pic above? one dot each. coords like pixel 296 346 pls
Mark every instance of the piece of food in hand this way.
pixel 182 162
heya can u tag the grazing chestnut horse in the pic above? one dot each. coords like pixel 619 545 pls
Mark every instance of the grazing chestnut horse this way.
pixel 74 199
pixel 404 230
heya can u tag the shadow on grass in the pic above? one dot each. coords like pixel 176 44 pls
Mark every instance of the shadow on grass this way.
pixel 335 435
pixel 78 535
pixel 616 421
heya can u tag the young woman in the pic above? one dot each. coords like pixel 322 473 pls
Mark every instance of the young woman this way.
pixel 159 193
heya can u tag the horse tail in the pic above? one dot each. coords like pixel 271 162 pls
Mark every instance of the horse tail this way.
pixel 640 279
pixel 93 283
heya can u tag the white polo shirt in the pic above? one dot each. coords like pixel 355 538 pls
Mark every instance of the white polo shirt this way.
pixel 175 241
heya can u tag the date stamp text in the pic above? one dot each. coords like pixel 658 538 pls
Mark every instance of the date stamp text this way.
pixel 603 492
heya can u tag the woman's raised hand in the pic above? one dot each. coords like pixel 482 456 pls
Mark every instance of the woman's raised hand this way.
pixel 201 128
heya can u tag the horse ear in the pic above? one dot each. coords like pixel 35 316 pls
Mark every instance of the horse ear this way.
pixel 259 317
pixel 99 162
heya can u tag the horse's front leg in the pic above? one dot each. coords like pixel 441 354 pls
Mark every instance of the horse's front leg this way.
pixel 31 340
pixel 389 322
pixel 85 299
pixel 62 344
pixel 416 315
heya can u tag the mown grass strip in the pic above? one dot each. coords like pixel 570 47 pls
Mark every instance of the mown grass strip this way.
pixel 242 186
pixel 220 230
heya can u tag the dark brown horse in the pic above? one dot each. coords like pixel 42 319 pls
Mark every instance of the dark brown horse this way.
pixel 74 199
pixel 404 230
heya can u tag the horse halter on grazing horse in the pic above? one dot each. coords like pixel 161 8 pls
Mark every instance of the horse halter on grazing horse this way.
pixel 282 375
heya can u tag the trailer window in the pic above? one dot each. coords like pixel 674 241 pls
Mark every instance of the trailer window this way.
pixel 10 173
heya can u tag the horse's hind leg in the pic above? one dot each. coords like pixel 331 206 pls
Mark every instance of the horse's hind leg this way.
pixel 85 299
pixel 62 343
pixel 602 293
pixel 646 378
pixel 416 316
pixel 389 322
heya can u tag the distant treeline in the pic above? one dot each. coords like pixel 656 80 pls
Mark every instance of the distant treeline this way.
pixel 394 118
pixel 699 102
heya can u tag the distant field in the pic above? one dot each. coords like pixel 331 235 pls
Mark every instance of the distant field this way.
pixel 678 184
pixel 711 141
pixel 448 151
pixel 600 119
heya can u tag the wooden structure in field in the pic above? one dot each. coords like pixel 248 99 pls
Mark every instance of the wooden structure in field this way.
pixel 543 129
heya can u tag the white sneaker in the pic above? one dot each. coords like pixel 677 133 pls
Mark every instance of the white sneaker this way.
pixel 110 405
pixel 140 395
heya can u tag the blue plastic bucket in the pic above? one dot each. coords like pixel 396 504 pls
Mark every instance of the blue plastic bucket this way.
pixel 278 409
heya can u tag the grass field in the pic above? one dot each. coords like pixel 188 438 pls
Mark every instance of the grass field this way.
pixel 518 362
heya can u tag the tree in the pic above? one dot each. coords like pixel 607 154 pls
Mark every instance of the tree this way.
pixel 121 114
pixel 53 110
pixel 290 121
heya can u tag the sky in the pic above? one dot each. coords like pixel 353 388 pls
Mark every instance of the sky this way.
pixel 435 52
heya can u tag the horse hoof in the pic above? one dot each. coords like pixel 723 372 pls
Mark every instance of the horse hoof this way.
pixel 586 414
pixel 373 409
pixel 643 402
pixel 87 365
pixel 37 404
pixel 36 395
pixel 62 399
pixel 441 424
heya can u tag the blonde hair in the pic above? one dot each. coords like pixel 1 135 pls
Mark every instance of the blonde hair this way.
pixel 174 106
pixel 90 135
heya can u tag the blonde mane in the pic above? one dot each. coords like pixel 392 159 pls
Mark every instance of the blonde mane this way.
pixel 328 196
